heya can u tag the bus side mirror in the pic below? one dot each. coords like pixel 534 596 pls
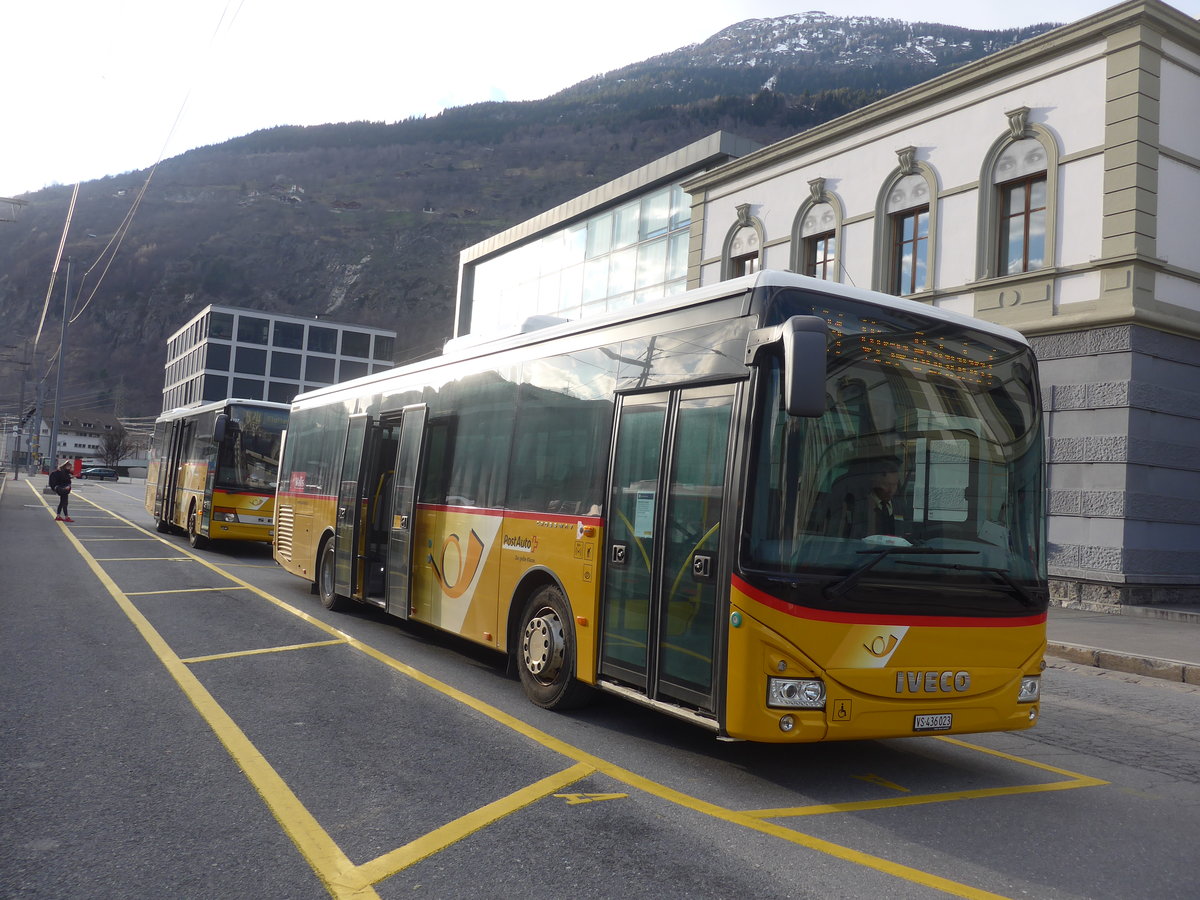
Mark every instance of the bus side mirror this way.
pixel 219 428
pixel 802 340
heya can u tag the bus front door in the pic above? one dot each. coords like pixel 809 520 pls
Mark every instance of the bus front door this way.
pixel 662 600
pixel 403 510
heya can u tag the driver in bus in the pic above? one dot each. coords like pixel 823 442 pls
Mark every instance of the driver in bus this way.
pixel 875 512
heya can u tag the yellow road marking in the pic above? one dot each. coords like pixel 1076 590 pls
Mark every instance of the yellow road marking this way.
pixel 342 878
pixel 577 799
pixel 238 653
pixel 331 865
pixel 93 540
pixel 195 590
pixel 439 839
pixel 136 558
pixel 883 782
pixel 1074 780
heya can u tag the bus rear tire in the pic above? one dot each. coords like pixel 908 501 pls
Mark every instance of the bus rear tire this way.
pixel 330 598
pixel 546 652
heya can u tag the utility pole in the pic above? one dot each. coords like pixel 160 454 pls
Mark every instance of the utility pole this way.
pixel 22 418
pixel 62 364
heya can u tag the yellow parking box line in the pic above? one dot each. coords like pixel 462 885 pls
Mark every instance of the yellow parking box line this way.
pixel 331 865
pixel 440 838
pixel 197 590
pixel 259 652
pixel 137 558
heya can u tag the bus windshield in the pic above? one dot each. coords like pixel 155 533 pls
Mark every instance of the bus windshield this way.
pixel 921 484
pixel 248 458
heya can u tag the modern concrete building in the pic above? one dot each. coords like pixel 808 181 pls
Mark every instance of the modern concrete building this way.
pixel 224 352
pixel 1051 187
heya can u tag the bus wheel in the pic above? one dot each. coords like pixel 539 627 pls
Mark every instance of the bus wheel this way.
pixel 164 527
pixel 330 598
pixel 546 655
pixel 195 538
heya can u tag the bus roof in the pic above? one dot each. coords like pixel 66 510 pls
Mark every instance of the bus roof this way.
pixel 201 406
pixel 538 329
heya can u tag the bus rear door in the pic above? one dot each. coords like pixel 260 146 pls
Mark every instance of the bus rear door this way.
pixel 177 436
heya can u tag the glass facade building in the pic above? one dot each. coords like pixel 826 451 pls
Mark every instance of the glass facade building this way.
pixel 229 352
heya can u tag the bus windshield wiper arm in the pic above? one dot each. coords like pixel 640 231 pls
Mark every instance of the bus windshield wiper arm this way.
pixel 840 588
pixel 1023 593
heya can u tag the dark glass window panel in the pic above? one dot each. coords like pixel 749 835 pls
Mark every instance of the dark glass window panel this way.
pixel 356 343
pixel 289 335
pixel 322 340
pixel 253 330
pixel 285 365
pixel 319 369
pixel 250 361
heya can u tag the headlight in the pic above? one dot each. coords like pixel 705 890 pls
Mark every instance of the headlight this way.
pixel 796 693
pixel 1031 689
pixel 222 514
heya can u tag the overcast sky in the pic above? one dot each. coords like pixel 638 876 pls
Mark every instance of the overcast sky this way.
pixel 108 86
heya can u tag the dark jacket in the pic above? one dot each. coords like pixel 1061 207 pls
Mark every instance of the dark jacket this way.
pixel 59 478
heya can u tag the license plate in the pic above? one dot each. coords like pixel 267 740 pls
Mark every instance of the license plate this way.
pixel 940 722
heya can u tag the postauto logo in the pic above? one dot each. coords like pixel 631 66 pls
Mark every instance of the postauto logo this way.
pixel 468 563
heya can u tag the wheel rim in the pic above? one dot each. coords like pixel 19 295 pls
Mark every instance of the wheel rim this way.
pixel 544 646
pixel 327 575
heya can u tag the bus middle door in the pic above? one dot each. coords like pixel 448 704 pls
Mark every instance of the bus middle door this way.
pixel 662 602
pixel 407 470
pixel 364 502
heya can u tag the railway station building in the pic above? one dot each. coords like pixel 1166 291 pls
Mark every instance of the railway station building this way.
pixel 1053 187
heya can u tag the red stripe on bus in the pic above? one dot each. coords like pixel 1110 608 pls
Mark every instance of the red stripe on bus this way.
pixel 824 615
pixel 476 510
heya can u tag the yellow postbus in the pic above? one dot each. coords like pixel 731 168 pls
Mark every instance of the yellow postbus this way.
pixel 213 468
pixel 779 508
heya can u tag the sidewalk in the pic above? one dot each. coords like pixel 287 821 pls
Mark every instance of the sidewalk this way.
pixel 1160 642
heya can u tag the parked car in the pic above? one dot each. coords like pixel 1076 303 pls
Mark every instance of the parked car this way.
pixel 100 473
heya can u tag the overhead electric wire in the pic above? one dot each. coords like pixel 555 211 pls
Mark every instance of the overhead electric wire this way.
pixel 114 243
pixel 57 259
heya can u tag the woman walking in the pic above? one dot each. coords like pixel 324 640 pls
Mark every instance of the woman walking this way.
pixel 60 483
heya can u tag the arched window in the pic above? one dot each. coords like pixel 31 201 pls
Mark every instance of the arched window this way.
pixel 816 234
pixel 1017 187
pixel 742 253
pixel 906 228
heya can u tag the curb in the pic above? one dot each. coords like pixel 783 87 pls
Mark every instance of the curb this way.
pixel 1149 666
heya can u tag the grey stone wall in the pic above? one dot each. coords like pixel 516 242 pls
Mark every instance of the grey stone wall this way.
pixel 1123 446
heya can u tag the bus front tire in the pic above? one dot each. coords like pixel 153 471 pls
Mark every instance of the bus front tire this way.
pixel 330 598
pixel 546 652
pixel 195 538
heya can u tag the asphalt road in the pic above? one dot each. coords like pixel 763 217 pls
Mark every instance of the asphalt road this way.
pixel 194 724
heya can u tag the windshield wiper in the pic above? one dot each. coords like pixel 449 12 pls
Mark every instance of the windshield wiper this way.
pixel 840 588
pixel 1023 593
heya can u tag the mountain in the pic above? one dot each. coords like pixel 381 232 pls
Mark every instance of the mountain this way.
pixel 362 222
